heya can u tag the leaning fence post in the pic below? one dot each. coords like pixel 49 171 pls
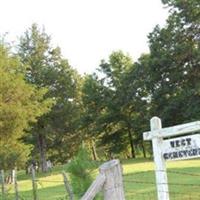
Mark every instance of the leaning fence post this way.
pixel 34 184
pixel 113 186
pixel 14 176
pixel 2 184
pixel 67 186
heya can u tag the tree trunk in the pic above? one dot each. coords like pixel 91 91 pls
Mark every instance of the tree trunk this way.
pixel 42 151
pixel 143 150
pixel 94 152
pixel 131 143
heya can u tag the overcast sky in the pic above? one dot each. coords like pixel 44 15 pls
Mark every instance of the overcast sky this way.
pixel 86 30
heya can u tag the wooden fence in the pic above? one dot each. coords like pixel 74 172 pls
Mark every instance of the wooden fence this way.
pixel 139 185
pixel 109 181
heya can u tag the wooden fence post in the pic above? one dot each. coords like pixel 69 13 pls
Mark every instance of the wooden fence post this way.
pixel 67 186
pixel 160 167
pixel 14 176
pixel 34 184
pixel 109 180
pixel 113 186
pixel 2 184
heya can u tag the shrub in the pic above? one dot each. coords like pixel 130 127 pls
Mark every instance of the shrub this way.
pixel 80 172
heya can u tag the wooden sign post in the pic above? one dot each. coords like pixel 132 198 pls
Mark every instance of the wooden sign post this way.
pixel 160 168
pixel 171 149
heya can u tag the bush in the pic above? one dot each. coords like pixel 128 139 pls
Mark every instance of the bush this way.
pixel 80 172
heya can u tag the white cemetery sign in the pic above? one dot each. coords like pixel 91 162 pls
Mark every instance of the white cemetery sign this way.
pixel 171 149
pixel 181 148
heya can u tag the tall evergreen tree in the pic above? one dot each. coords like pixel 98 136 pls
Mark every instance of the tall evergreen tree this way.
pixel 20 104
pixel 46 68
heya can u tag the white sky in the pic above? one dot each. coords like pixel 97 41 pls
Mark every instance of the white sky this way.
pixel 86 30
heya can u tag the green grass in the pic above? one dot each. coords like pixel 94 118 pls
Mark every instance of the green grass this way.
pixel 139 180
pixel 138 176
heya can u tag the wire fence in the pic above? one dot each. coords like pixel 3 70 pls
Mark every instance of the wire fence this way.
pixel 183 185
pixel 45 188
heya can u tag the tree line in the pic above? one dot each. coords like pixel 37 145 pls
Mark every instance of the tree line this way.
pixel 47 108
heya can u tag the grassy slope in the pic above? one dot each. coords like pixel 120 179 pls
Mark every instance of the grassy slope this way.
pixel 139 181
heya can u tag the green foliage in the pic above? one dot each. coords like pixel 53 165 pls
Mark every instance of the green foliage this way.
pixel 42 95
pixel 13 154
pixel 80 169
pixel 45 67
pixel 173 65
pixel 20 105
pixel 114 103
pixel 164 83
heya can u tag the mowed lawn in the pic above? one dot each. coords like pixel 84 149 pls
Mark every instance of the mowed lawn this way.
pixel 138 176
pixel 183 178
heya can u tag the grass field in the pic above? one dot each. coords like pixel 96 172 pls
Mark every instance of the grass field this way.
pixel 138 176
